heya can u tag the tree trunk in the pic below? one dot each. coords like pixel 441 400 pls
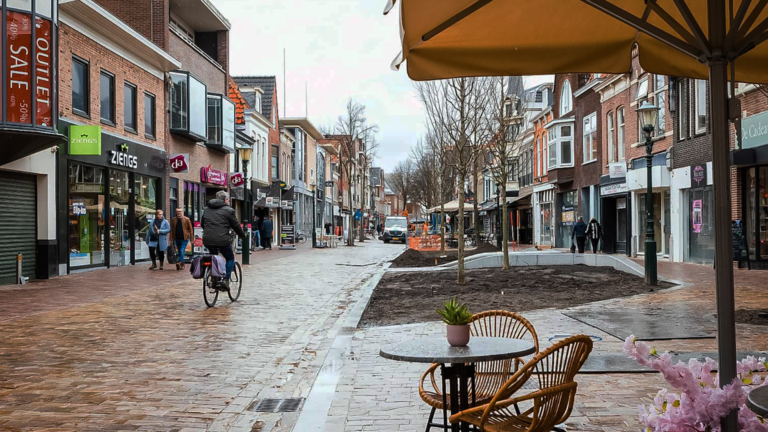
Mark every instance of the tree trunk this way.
pixel 504 230
pixel 460 235
pixel 442 220
pixel 476 213
pixel 351 231
pixel 362 201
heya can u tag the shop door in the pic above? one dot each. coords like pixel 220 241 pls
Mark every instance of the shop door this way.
pixel 701 232
pixel 86 214
pixel 621 225
pixel 18 226
pixel 546 224
pixel 119 221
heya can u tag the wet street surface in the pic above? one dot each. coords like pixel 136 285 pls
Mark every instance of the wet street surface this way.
pixel 126 349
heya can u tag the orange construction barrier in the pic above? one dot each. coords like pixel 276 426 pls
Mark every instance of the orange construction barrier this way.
pixel 425 243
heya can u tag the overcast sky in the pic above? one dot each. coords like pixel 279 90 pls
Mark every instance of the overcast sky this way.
pixel 339 49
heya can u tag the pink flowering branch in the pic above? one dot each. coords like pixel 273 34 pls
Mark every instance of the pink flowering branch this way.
pixel 701 403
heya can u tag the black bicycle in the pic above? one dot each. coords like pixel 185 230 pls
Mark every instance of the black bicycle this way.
pixel 213 284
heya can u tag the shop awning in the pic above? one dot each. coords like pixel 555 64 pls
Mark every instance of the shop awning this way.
pixel 524 199
pixel 272 191
pixel 452 207
pixel 287 195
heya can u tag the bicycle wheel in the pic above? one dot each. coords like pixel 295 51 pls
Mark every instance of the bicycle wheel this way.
pixel 302 239
pixel 235 282
pixel 210 294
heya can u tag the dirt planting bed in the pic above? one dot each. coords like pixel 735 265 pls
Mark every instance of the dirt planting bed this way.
pixel 414 258
pixel 412 297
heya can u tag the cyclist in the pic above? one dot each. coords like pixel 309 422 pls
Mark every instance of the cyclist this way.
pixel 217 221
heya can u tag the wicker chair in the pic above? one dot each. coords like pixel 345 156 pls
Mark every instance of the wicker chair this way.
pixel 489 376
pixel 555 369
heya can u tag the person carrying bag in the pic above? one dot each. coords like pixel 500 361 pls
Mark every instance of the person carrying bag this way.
pixel 157 239
pixel 594 233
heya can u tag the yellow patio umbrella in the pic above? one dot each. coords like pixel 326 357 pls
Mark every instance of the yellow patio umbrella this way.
pixel 714 39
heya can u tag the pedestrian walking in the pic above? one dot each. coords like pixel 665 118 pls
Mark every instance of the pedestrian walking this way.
pixel 580 233
pixel 266 232
pixel 157 239
pixel 181 234
pixel 378 229
pixel 594 233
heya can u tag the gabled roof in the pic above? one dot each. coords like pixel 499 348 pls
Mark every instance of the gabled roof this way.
pixel 267 84
pixel 240 103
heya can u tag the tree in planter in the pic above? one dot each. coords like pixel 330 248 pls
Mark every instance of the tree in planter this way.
pixel 456 107
pixel 352 128
pixel 507 125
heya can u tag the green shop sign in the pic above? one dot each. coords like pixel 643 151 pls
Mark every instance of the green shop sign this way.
pixel 85 140
pixel 754 131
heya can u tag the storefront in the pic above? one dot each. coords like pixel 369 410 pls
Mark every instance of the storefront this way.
pixel 752 163
pixel 567 207
pixel 637 180
pixel 544 220
pixel 616 218
pixel 109 190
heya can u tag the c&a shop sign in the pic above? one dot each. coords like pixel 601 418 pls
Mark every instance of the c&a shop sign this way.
pixel 213 176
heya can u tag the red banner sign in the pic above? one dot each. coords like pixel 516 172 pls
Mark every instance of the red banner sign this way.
pixel 43 75
pixel 236 179
pixel 178 163
pixel 18 40
pixel 212 176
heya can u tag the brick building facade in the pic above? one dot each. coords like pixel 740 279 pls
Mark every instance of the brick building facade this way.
pixel 112 95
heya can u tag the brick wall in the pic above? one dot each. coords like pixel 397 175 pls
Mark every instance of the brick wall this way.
pixel 148 17
pixel 73 43
pixel 613 101
pixel 586 175
pixel 194 60
pixel 692 148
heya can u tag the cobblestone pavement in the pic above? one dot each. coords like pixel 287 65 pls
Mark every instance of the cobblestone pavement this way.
pixel 126 349
pixel 375 394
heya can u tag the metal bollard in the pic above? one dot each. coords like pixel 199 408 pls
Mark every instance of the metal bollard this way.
pixel 20 280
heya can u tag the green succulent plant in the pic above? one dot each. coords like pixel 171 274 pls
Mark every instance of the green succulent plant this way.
pixel 454 313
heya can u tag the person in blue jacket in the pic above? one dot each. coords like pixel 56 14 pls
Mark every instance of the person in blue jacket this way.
pixel 157 239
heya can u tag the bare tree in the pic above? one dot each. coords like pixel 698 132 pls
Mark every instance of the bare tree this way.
pixel 507 128
pixel 352 128
pixel 402 180
pixel 425 175
pixel 370 148
pixel 451 107
pixel 437 143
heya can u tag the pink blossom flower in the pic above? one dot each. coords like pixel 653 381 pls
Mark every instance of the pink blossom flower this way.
pixel 701 404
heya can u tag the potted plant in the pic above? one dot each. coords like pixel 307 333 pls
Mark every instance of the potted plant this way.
pixel 457 317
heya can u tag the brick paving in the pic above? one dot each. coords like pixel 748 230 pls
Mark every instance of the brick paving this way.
pixel 127 349
pixel 376 394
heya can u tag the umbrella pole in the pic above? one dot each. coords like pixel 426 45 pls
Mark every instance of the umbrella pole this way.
pixel 721 170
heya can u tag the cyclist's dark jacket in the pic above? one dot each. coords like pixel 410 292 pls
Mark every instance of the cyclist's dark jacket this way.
pixel 217 219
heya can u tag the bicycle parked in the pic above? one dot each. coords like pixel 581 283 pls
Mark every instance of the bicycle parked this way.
pixel 301 237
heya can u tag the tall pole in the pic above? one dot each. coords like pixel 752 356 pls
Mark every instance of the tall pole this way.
pixel 650 236
pixel 721 170
pixel 333 210
pixel 314 217
pixel 246 250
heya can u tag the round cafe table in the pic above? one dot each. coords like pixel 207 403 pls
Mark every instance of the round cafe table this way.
pixel 757 401
pixel 457 363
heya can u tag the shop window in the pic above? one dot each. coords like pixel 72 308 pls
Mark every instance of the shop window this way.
pixel 149 115
pixel 173 196
pixel 86 216
pixel 221 123
pixel 188 106
pixel 145 205
pixel 119 221
pixel 107 98
pixel 752 210
pixel 129 107
pixel 80 87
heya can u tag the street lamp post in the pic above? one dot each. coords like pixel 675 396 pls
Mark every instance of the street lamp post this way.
pixel 245 157
pixel 499 237
pixel 313 186
pixel 649 114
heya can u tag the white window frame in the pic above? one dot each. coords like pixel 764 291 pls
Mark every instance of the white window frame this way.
pixel 588 138
pixel 556 140
pixel 642 88
pixel 660 100
pixel 562 140
pixel 621 137
pixel 610 128
pixel 566 98
pixel 552 159
pixel 700 110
